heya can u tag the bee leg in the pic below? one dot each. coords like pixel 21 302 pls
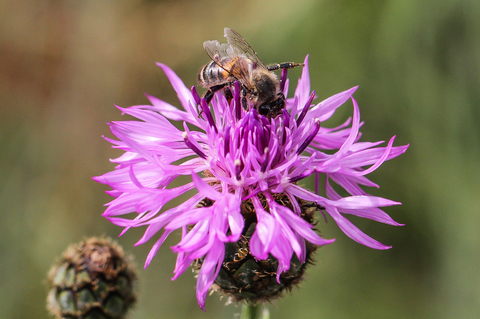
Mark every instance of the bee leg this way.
pixel 244 103
pixel 228 94
pixel 211 91
pixel 284 65
pixel 244 99
pixel 208 96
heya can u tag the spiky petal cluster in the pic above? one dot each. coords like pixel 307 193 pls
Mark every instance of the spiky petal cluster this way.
pixel 241 155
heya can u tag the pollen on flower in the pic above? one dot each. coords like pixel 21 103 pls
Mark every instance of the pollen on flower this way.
pixel 249 228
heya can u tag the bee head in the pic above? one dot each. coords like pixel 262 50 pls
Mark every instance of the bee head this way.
pixel 274 108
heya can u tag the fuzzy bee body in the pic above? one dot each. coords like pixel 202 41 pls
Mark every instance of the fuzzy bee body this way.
pixel 236 61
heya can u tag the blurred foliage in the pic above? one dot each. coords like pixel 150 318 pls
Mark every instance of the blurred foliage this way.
pixel 64 64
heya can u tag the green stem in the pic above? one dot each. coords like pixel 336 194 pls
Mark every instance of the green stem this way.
pixel 250 311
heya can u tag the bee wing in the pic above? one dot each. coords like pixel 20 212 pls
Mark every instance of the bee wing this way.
pixel 217 52
pixel 224 53
pixel 241 47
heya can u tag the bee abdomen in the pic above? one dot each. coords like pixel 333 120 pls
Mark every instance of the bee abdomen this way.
pixel 212 74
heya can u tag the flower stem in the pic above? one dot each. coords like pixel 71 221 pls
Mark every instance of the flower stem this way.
pixel 250 311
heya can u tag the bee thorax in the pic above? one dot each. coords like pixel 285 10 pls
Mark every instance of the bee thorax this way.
pixel 266 87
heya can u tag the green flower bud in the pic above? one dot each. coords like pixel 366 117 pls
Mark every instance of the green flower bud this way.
pixel 93 279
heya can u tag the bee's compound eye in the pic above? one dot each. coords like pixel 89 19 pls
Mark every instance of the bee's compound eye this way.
pixel 264 109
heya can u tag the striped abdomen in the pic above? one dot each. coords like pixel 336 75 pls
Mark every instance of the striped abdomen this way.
pixel 212 74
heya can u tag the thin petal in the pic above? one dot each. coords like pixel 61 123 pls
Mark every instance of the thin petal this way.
pixel 354 233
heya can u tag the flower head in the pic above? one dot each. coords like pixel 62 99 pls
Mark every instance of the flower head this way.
pixel 237 158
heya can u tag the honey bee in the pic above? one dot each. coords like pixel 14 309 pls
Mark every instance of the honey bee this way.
pixel 236 61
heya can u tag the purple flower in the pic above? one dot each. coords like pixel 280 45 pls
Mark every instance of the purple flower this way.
pixel 234 155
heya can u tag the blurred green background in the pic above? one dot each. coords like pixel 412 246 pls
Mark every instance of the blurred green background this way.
pixel 64 63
